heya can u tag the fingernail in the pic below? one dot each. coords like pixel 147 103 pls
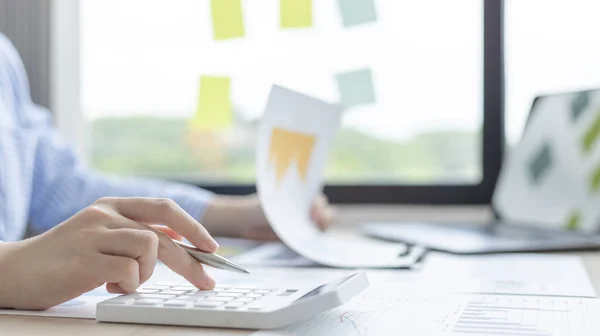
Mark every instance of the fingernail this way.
pixel 208 281
pixel 212 245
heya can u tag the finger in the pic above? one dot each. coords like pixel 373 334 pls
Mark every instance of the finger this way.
pixel 182 263
pixel 167 212
pixel 114 288
pixel 122 271
pixel 322 213
pixel 175 257
pixel 172 234
pixel 135 242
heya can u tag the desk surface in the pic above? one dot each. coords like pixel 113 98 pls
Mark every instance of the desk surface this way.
pixel 23 325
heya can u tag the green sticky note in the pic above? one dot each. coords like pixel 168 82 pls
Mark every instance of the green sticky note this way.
pixel 356 88
pixel 355 12
pixel 227 18
pixel 295 13
pixel 214 110
pixel 579 103
pixel 573 220
pixel 540 164
pixel 595 180
pixel 591 135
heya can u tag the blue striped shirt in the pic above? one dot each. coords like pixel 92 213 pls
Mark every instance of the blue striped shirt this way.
pixel 42 182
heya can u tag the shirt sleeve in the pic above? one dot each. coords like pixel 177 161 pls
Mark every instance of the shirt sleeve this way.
pixel 62 185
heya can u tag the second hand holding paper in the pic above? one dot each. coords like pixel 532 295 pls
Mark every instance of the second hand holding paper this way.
pixel 294 138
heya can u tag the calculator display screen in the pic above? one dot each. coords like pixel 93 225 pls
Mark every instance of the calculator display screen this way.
pixel 324 288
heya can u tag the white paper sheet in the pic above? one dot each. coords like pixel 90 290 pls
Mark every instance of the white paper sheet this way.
pixel 383 311
pixel 288 182
pixel 83 307
pixel 272 254
pixel 519 274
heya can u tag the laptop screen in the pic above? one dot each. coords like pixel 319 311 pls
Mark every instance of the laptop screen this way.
pixel 551 178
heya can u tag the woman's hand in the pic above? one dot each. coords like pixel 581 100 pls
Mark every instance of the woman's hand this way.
pixel 108 242
pixel 244 217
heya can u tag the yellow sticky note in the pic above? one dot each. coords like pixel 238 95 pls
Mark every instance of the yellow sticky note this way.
pixel 214 104
pixel 295 13
pixel 288 148
pixel 227 18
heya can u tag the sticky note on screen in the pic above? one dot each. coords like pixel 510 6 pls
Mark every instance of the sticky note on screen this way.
pixel 356 88
pixel 227 18
pixel 540 164
pixel 295 13
pixel 356 12
pixel 573 220
pixel 591 135
pixel 214 111
pixel 579 104
pixel 595 180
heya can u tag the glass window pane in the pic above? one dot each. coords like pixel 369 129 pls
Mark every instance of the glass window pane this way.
pixel 551 46
pixel 410 74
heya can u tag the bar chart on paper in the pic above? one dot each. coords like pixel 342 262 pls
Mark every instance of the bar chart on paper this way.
pixel 456 314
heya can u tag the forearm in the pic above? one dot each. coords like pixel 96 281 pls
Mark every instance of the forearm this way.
pixel 225 215
pixel 80 189
pixel 9 277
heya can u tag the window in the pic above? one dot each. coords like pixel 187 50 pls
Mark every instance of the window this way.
pixel 551 46
pixel 419 137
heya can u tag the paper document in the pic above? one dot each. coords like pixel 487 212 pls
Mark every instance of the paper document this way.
pixel 519 274
pixel 273 254
pixel 83 307
pixel 294 137
pixel 379 311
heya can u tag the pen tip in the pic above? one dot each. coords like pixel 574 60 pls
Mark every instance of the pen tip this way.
pixel 246 272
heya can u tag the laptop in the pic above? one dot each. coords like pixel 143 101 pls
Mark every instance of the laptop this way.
pixel 547 197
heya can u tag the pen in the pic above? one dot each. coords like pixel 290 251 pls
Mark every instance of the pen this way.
pixel 211 259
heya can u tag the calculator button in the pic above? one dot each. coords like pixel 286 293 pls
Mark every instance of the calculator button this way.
pixel 244 300
pixel 188 298
pixel 157 287
pixel 147 302
pixel 254 296
pixel 208 304
pixel 176 303
pixel 234 305
pixel 255 306
pixel 228 294
pixel 221 286
pixel 202 293
pixel 183 288
pixel 173 292
pixel 117 302
pixel 247 287
pixel 239 290
pixel 153 296
pixel 262 291
pixel 269 288
pixel 147 291
pixel 218 298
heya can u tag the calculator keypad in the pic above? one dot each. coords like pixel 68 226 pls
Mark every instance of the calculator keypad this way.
pixel 227 297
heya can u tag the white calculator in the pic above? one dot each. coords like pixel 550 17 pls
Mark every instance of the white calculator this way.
pixel 244 306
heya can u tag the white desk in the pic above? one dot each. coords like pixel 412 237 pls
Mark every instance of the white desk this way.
pixel 20 325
